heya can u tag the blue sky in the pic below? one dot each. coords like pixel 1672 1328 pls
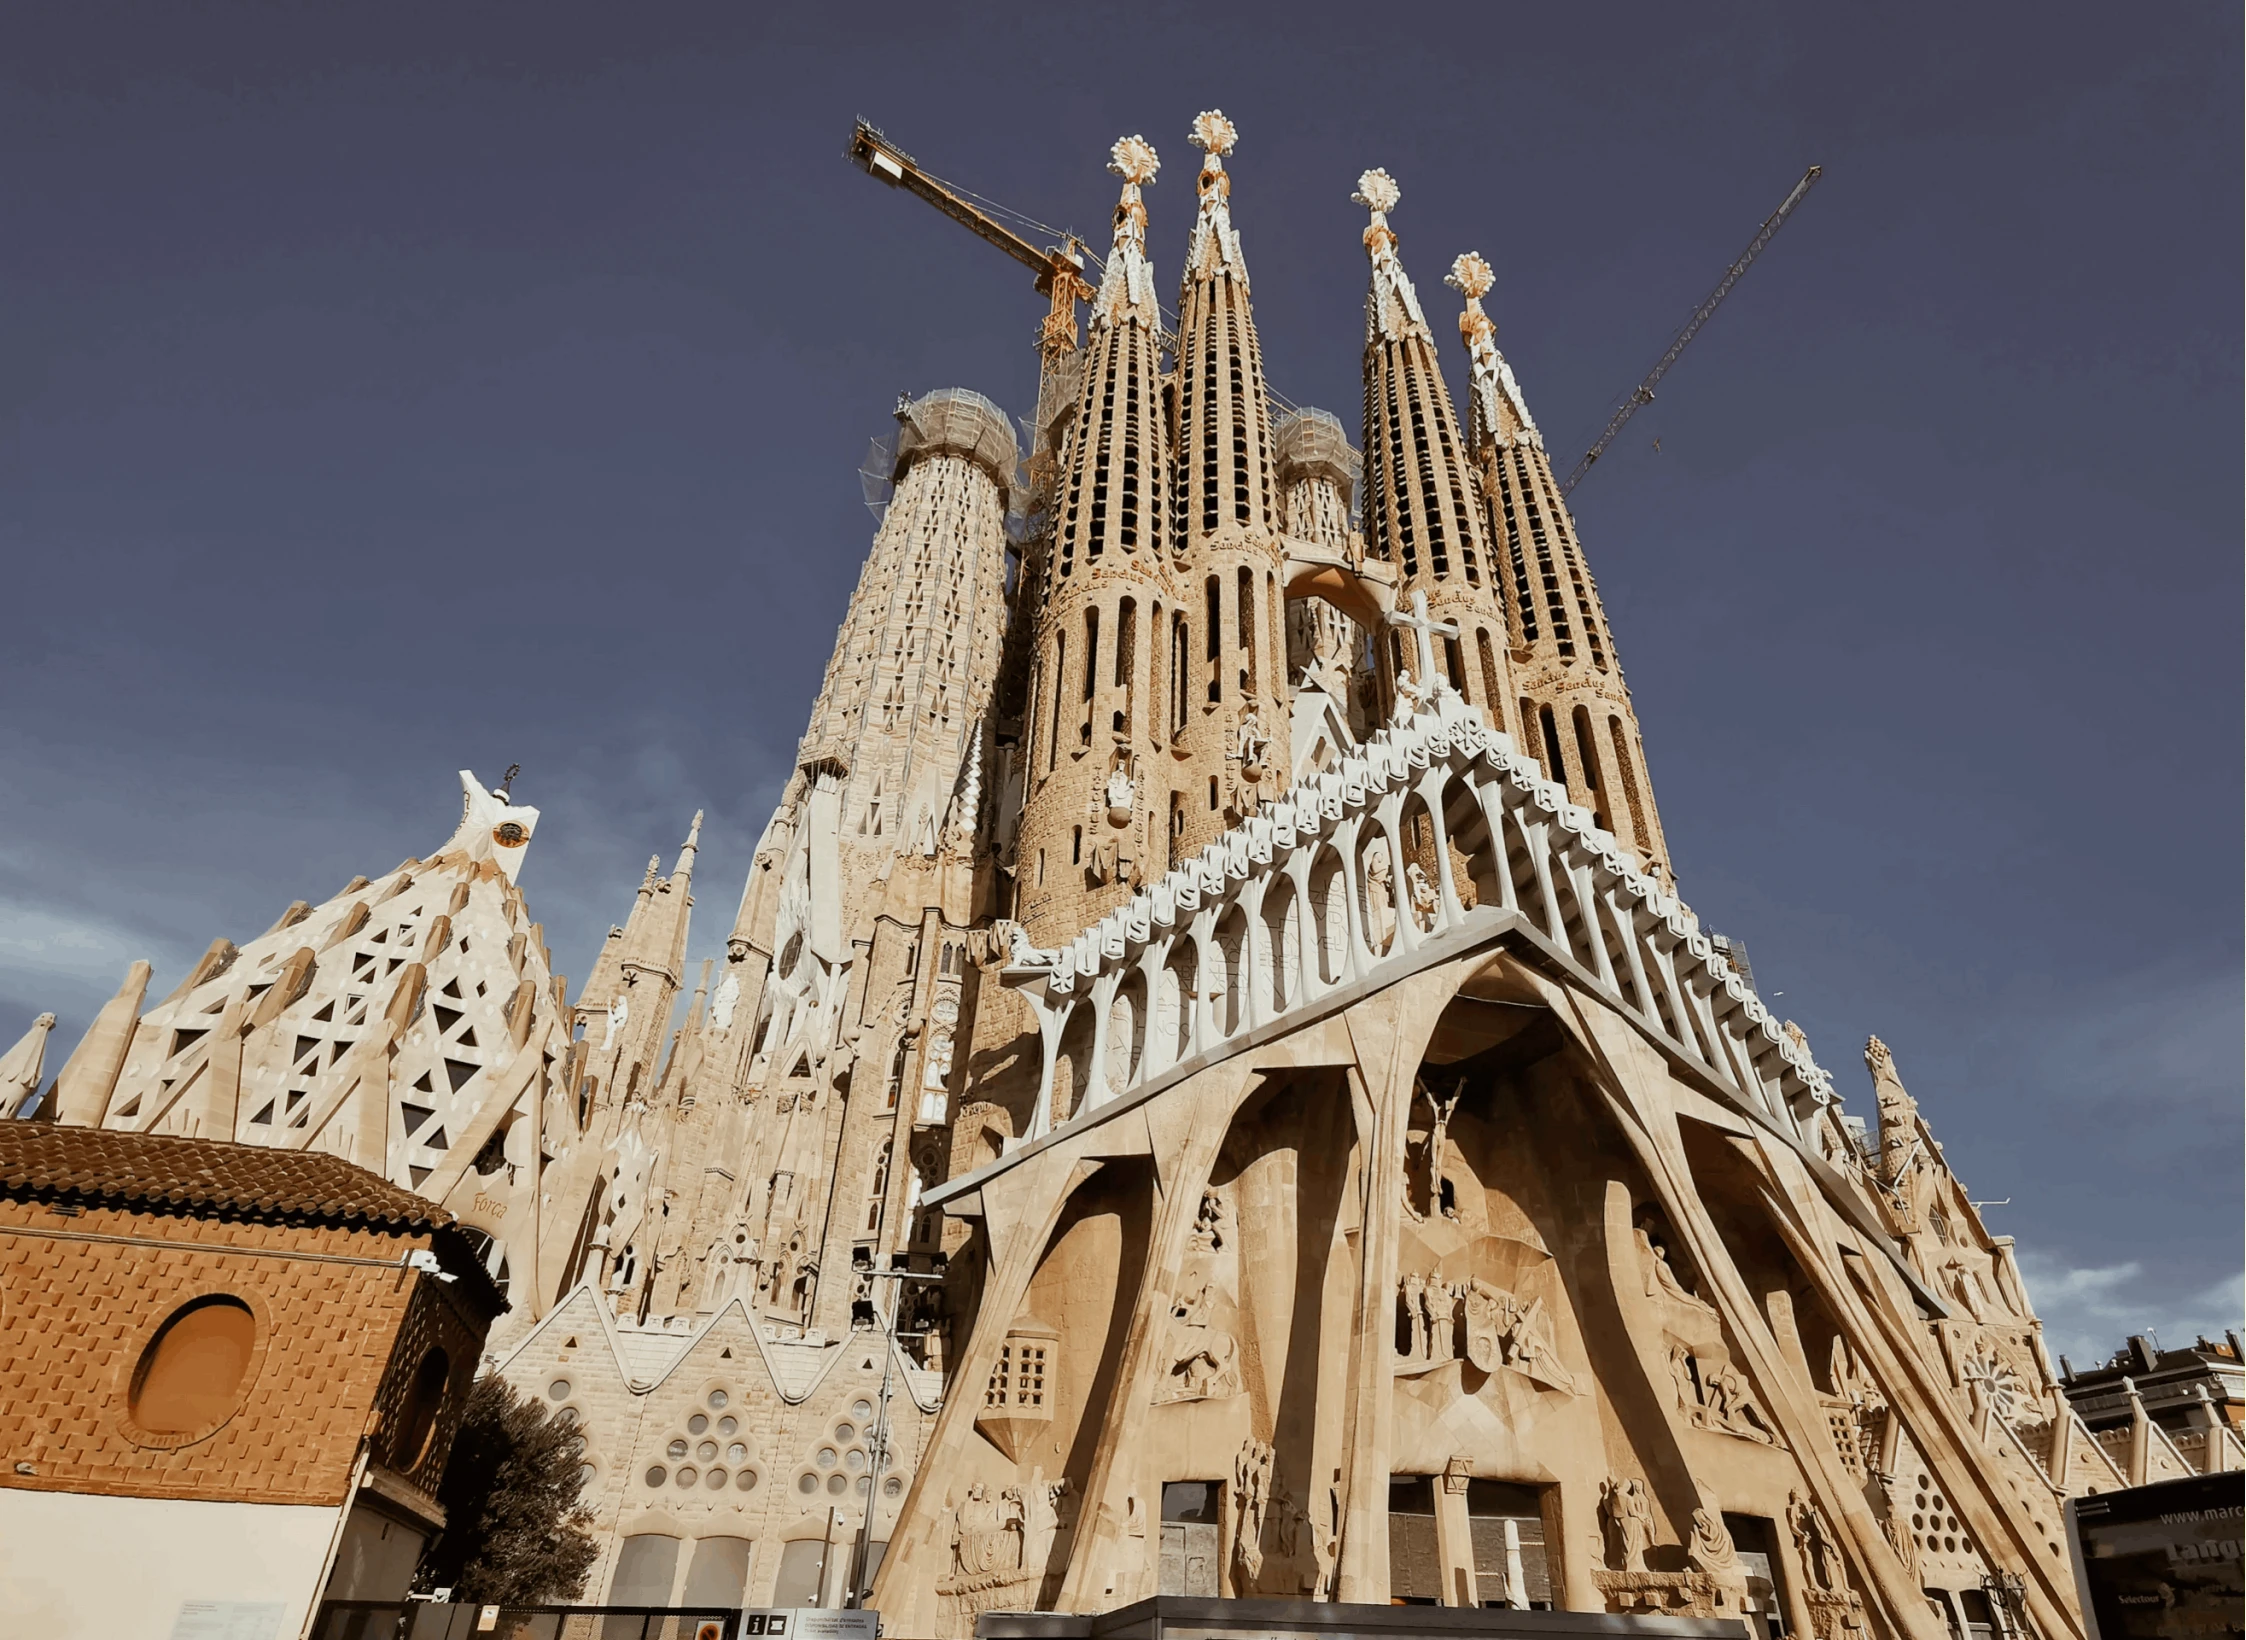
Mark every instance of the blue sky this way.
pixel 385 393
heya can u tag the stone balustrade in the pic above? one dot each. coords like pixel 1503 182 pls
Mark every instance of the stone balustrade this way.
pixel 1433 838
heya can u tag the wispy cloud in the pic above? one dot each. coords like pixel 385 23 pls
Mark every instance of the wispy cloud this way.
pixel 2089 1311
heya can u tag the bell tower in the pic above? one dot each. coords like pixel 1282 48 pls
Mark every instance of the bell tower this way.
pixel 1104 689
pixel 1573 708
pixel 1420 510
pixel 1230 726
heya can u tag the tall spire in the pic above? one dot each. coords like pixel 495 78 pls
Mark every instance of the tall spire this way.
pixel 1095 718
pixel 1229 517
pixel 1574 710
pixel 1420 512
pixel 684 870
pixel 1127 285
pixel 1495 410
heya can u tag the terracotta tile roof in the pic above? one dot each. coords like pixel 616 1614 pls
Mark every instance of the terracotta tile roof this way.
pixel 99 1164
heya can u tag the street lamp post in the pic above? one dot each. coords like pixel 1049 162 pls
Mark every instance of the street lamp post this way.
pixel 860 1581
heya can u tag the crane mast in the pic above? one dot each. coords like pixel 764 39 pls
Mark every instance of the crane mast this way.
pixel 1642 394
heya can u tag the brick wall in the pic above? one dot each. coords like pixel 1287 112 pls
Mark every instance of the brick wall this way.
pixel 337 1344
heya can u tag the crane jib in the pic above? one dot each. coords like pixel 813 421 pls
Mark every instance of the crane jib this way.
pixel 1642 394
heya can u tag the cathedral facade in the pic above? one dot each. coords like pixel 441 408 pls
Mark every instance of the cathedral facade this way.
pixel 1211 1088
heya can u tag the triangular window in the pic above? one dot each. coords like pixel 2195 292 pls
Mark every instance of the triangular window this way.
pixel 460 1071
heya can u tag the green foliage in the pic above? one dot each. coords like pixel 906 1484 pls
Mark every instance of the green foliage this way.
pixel 515 1533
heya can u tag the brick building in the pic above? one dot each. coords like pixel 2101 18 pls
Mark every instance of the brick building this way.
pixel 227 1371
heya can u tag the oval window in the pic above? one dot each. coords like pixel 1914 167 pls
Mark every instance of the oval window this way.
pixel 191 1373
pixel 424 1400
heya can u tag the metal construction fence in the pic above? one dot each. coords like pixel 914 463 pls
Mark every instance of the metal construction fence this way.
pixel 431 1620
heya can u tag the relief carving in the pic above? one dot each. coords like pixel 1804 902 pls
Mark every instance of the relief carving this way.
pixel 1204 1358
pixel 1714 1395
pixel 1000 1547
pixel 1836 1612
pixel 1713 1586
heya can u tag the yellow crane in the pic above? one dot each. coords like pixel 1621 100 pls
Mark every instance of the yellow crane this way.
pixel 1060 279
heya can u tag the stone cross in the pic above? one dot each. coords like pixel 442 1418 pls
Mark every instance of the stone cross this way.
pixel 1425 632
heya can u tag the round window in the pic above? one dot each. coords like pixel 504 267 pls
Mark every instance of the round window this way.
pixel 726 1426
pixel 585 1474
pixel 845 1433
pixel 686 1475
pixel 736 1452
pixel 892 1488
pixel 825 1457
pixel 717 1399
pixel 746 1480
pixel 706 1451
pixel 838 1484
pixel 191 1374
pixel 807 1482
pixel 696 1424
pixel 865 1485
pixel 854 1460
pixel 657 1474
pixel 715 1480
pixel 861 1410
pixel 558 1390
pixel 677 1448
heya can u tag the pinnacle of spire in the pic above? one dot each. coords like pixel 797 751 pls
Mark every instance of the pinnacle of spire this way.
pixel 1496 412
pixel 1127 286
pixel 685 867
pixel 1215 248
pixel 1392 310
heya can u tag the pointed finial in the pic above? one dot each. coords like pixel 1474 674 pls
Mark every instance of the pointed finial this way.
pixel 1377 192
pixel 1471 276
pixel 1213 134
pixel 1134 160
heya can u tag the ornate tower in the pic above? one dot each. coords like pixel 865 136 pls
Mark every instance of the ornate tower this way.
pixel 1420 511
pixel 1574 709
pixel 1318 478
pixel 1230 725
pixel 1112 682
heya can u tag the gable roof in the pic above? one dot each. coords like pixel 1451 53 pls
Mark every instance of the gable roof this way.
pixel 40 1161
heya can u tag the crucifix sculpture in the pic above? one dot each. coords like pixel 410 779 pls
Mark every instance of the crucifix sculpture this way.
pixel 1424 634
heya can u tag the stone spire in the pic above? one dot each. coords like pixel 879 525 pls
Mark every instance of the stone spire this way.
pixel 21 1065
pixel 1420 513
pixel 1105 691
pixel 1574 709
pixel 1228 513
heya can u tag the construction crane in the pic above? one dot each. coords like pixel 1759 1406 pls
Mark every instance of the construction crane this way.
pixel 1642 394
pixel 1059 269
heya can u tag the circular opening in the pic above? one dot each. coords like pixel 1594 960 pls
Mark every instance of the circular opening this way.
pixel 838 1484
pixel 726 1426
pixel 424 1400
pixel 706 1451
pixel 807 1482
pixel 677 1449
pixel 861 1410
pixel 854 1460
pixel 686 1476
pixel 825 1458
pixel 566 1417
pixel 657 1474
pixel 585 1474
pixel 715 1480
pixel 558 1390
pixel 736 1452
pixel 892 1487
pixel 717 1399
pixel 746 1480
pixel 192 1370
pixel 845 1433
pixel 865 1485
pixel 696 1424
